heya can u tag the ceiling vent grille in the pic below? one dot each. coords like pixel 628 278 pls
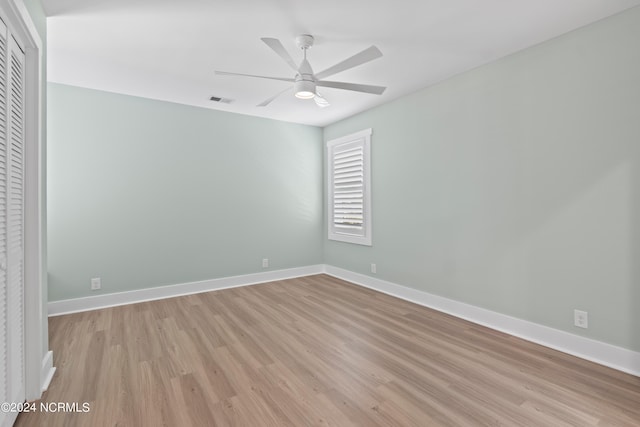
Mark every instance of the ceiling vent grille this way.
pixel 222 100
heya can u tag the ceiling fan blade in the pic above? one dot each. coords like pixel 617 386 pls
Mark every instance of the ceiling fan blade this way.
pixel 376 90
pixel 268 101
pixel 277 47
pixel 321 100
pixel 226 73
pixel 366 55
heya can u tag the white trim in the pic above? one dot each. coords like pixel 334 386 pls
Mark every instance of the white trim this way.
pixel 23 28
pixel 149 294
pixel 596 351
pixel 47 370
pixel 26 30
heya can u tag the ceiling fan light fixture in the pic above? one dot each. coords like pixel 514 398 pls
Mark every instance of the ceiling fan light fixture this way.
pixel 304 89
pixel 304 95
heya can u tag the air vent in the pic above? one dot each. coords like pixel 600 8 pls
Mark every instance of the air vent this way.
pixel 222 100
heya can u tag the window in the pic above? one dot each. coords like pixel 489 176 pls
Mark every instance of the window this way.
pixel 349 188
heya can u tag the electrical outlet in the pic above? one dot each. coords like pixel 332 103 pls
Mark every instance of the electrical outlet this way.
pixel 96 284
pixel 265 262
pixel 581 319
pixel 373 268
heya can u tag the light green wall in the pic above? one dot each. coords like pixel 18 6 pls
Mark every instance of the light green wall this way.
pixel 516 186
pixel 146 193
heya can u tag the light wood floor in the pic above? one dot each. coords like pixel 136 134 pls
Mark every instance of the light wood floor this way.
pixel 316 351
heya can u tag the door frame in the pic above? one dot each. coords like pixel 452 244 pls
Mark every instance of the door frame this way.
pixel 37 359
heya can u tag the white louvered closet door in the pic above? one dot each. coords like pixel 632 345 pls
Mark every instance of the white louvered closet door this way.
pixel 12 384
pixel 3 217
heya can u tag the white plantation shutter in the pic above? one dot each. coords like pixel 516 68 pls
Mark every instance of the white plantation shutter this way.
pixel 349 188
pixel 12 373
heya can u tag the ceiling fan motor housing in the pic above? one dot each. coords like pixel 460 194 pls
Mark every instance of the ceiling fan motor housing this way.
pixel 305 84
pixel 305 72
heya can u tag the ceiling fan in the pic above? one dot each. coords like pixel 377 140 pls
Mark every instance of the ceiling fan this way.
pixel 305 82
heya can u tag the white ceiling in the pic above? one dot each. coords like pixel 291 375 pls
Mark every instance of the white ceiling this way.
pixel 169 49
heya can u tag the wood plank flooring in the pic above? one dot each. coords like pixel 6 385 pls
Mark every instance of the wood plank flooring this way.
pixel 316 351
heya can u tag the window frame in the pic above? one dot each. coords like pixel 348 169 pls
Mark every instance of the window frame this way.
pixel 364 236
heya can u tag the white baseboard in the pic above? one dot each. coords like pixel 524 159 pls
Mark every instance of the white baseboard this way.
pixel 596 351
pixel 46 374
pixel 75 305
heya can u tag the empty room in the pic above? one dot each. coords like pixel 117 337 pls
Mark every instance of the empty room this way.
pixel 286 213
